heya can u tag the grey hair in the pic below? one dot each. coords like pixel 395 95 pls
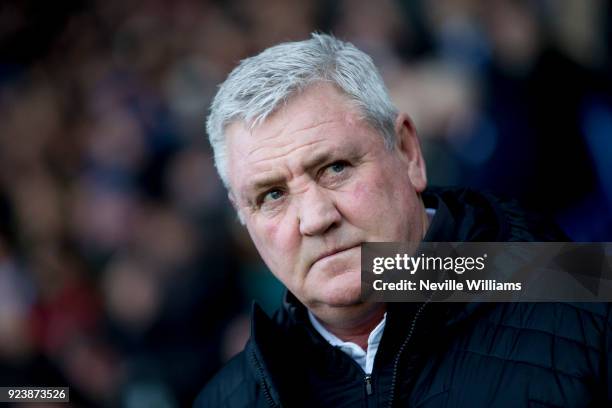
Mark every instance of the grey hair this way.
pixel 260 85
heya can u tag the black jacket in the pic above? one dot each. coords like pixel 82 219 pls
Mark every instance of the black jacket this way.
pixel 436 354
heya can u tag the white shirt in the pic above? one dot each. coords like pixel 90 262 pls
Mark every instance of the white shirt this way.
pixel 430 213
pixel 365 359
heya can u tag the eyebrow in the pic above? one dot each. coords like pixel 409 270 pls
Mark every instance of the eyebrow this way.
pixel 317 159
pixel 267 181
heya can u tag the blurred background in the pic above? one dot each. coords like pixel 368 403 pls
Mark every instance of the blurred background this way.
pixel 123 271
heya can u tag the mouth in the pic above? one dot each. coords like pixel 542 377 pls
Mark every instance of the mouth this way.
pixel 332 252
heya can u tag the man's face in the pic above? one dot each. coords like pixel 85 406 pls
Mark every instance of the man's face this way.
pixel 313 182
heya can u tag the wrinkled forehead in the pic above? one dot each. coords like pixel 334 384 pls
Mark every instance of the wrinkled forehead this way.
pixel 320 119
pixel 319 105
pixel 321 97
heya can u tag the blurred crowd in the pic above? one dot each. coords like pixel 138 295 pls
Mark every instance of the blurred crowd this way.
pixel 123 271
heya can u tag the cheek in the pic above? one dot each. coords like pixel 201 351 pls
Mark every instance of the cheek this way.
pixel 271 231
pixel 359 192
pixel 380 207
pixel 364 204
pixel 276 241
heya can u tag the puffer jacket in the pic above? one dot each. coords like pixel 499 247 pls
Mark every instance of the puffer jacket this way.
pixel 435 354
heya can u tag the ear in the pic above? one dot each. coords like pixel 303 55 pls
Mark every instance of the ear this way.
pixel 409 148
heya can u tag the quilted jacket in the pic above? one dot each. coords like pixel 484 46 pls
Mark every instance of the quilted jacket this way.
pixel 435 354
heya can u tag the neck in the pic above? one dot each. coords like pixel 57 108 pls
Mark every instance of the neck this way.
pixel 357 331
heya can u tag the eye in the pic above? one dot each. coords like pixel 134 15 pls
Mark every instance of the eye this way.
pixel 337 167
pixel 271 195
pixel 335 173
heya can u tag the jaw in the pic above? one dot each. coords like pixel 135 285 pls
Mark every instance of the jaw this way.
pixel 334 280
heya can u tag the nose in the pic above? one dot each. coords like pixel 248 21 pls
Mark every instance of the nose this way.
pixel 318 213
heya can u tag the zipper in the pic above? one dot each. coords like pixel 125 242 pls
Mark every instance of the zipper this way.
pixel 264 384
pixel 368 384
pixel 402 347
pixel 367 378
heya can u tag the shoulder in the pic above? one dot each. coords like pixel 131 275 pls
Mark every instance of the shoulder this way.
pixel 233 386
pixel 464 214
pixel 572 325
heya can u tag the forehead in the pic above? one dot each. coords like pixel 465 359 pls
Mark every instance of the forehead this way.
pixel 320 120
pixel 320 105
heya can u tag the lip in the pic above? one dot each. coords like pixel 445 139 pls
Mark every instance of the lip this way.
pixel 334 252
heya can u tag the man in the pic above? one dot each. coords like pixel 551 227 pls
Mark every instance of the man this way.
pixel 317 161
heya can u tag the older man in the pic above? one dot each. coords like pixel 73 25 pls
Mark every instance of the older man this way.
pixel 317 161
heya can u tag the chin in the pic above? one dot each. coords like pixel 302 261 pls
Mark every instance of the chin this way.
pixel 341 290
